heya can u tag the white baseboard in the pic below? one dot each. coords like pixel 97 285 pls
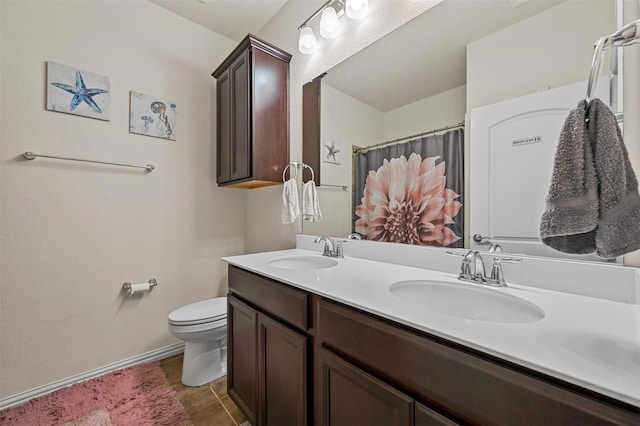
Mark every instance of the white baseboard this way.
pixel 155 355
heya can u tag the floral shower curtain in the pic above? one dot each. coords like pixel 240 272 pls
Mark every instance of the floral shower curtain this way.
pixel 412 192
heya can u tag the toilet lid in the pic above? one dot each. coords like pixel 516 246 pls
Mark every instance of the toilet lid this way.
pixel 200 312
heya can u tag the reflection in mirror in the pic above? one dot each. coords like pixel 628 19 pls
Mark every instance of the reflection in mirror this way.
pixel 409 191
pixel 515 140
pixel 415 80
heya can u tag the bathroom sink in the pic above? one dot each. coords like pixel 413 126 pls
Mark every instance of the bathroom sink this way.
pixel 303 263
pixel 469 301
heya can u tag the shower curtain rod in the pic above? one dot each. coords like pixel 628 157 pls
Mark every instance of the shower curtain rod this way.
pixel 434 131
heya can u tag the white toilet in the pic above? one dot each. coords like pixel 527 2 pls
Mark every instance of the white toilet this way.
pixel 203 326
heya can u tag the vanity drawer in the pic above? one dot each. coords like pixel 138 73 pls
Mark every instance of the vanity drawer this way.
pixel 279 300
pixel 458 381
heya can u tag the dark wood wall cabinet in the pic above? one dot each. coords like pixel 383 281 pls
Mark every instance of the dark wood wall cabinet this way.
pixel 311 108
pixel 252 115
pixel 297 358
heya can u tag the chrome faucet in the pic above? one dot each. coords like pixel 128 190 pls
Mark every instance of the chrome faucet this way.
pixel 332 248
pixel 472 267
pixel 328 245
pixel 497 275
pixel 495 248
pixel 472 257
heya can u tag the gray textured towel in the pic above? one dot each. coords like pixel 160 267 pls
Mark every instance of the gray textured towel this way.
pixel 619 225
pixel 593 202
pixel 570 220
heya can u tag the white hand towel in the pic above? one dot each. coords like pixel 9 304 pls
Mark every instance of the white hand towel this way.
pixel 290 202
pixel 310 203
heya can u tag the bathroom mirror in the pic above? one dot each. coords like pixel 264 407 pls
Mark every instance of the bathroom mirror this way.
pixel 433 71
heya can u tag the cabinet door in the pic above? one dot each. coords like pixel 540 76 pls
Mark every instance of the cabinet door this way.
pixel 282 371
pixel 427 417
pixel 349 396
pixel 242 376
pixel 240 107
pixel 223 106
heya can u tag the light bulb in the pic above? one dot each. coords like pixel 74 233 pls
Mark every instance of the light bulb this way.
pixel 357 9
pixel 329 23
pixel 307 42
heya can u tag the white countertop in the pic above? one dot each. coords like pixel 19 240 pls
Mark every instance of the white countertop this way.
pixel 588 341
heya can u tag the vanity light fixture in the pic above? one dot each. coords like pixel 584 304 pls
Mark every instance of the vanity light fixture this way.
pixel 307 42
pixel 357 9
pixel 330 12
pixel 329 23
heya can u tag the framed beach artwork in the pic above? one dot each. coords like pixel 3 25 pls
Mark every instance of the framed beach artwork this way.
pixel 74 91
pixel 331 153
pixel 151 116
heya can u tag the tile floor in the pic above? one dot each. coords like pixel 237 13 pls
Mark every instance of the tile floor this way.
pixel 207 405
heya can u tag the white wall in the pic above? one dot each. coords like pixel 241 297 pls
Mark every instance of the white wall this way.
pixel 549 56
pixel 72 233
pixel 348 122
pixel 444 109
pixel 551 49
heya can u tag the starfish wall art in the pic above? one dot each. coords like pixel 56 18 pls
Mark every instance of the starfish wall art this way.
pixel 78 92
pixel 332 153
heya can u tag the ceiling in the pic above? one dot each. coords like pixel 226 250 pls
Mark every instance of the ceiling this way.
pixel 231 18
pixel 428 51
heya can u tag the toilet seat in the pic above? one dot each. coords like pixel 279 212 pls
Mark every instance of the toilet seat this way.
pixel 205 311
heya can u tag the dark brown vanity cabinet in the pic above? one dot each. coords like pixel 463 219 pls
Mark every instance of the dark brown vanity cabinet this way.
pixel 451 383
pixel 296 358
pixel 282 367
pixel 267 349
pixel 252 115
pixel 347 395
pixel 242 356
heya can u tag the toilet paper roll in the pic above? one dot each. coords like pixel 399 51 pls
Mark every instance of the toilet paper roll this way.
pixel 137 288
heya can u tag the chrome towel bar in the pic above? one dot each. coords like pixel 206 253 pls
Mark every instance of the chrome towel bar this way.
pixel 32 156
pixel 343 187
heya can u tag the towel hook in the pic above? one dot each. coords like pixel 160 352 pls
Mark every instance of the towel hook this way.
pixel 284 172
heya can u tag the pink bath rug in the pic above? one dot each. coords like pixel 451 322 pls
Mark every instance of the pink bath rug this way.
pixel 97 418
pixel 140 396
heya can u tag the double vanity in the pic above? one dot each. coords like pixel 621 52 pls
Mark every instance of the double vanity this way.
pixel 390 335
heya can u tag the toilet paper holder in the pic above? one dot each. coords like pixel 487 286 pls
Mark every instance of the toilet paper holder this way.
pixel 130 287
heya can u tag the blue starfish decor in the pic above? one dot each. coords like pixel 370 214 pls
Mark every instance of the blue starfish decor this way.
pixel 332 151
pixel 58 100
pixel 81 93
